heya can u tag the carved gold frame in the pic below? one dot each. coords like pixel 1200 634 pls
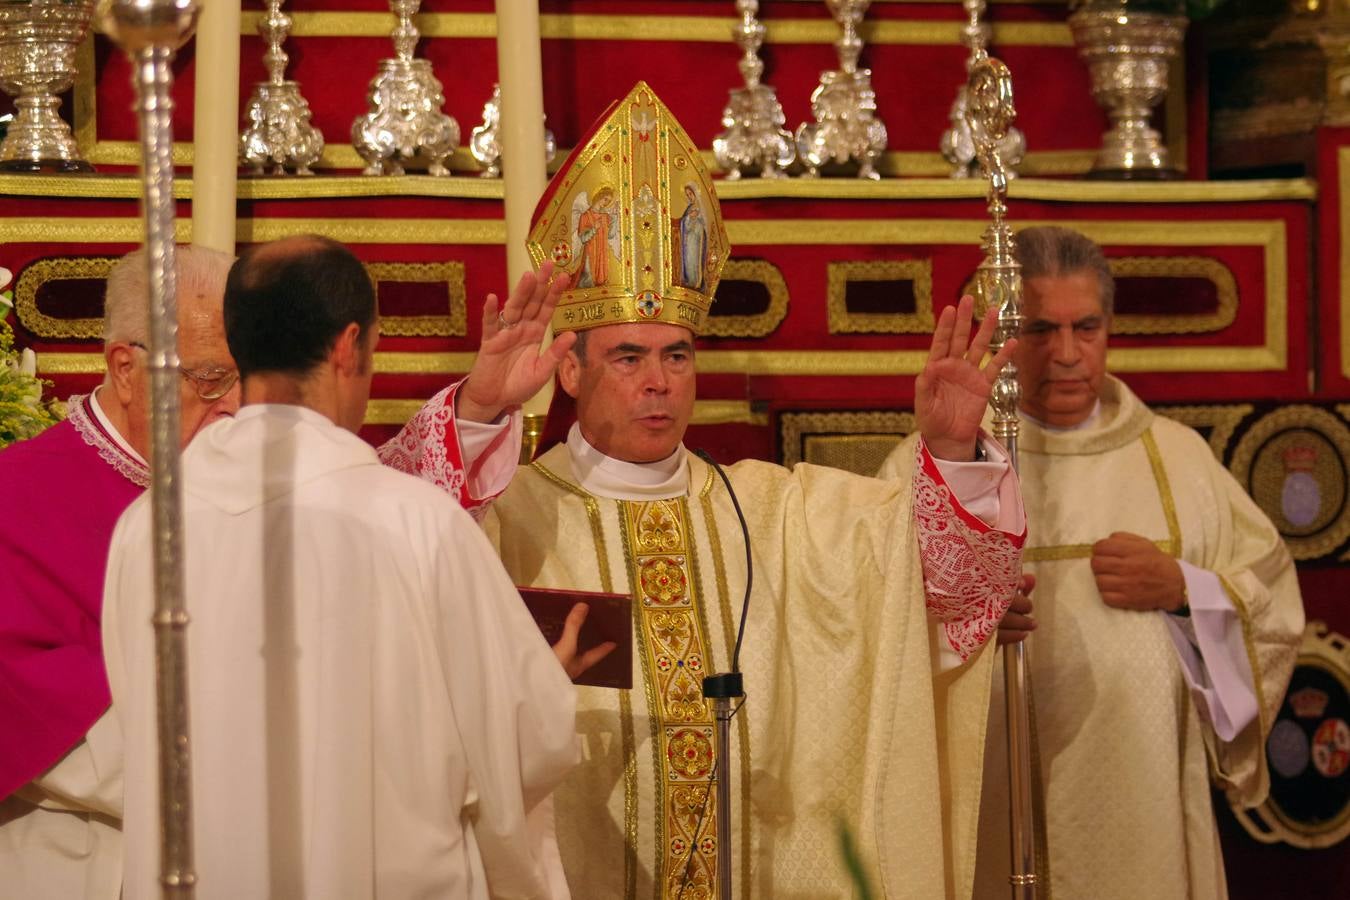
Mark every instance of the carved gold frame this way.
pixel 1326 650
pixel 1223 419
pixel 1205 267
pixel 760 324
pixel 841 425
pixel 1269 235
pixel 41 271
pixel 918 271
pixel 1336 433
pixel 451 274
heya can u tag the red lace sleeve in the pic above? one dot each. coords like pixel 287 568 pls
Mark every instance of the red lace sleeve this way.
pixel 970 569
pixel 428 447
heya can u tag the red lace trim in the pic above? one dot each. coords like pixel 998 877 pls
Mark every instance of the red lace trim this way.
pixel 970 570
pixel 428 447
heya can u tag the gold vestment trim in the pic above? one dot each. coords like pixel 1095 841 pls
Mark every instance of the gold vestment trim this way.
pixel 1249 641
pixel 1164 492
pixel 630 788
pixel 1171 545
pixel 658 549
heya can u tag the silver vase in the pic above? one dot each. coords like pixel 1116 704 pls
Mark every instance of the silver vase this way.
pixel 38 39
pixel 279 132
pixel 1128 51
pixel 754 139
pixel 846 126
pixel 485 143
pixel 405 118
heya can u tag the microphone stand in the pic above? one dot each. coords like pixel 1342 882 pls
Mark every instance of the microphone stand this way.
pixel 721 690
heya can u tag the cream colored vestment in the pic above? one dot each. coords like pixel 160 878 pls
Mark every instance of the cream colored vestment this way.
pixel 1123 756
pixel 844 724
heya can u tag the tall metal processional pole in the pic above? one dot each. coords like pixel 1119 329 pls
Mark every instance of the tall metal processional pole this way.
pixel 998 281
pixel 151 31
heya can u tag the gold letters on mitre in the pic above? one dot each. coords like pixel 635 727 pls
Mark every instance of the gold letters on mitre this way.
pixel 632 222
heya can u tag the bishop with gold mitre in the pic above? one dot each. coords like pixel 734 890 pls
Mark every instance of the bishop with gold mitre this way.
pixel 864 658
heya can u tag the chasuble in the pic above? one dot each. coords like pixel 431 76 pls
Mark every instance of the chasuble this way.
pixel 845 723
pixel 1124 742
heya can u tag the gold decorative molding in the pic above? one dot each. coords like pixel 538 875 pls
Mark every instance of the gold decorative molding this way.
pixel 701 29
pixel 42 271
pixel 759 324
pixel 850 440
pixel 384 411
pixel 727 412
pixel 919 272
pixel 1222 420
pixel 1208 268
pixel 1258 462
pixel 1023 188
pixel 1343 183
pixel 474 188
pixel 451 274
pixel 1327 654
pixel 1270 235
pixel 129 230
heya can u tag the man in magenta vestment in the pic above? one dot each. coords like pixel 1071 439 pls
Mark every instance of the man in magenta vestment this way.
pixel 60 761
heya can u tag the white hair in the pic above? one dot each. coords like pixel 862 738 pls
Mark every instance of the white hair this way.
pixel 126 300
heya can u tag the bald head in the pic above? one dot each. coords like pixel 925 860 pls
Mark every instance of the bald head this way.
pixel 286 303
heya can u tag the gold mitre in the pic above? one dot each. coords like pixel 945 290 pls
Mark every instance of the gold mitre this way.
pixel 632 221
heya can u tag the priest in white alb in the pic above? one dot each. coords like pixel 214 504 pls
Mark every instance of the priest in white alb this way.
pixel 866 680
pixel 373 711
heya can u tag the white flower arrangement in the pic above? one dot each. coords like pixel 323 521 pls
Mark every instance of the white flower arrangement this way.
pixel 22 410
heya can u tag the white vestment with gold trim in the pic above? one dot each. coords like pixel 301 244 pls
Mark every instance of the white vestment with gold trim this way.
pixel 1123 753
pixel 845 722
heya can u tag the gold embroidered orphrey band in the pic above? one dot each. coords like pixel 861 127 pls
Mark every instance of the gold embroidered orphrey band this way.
pixel 673 646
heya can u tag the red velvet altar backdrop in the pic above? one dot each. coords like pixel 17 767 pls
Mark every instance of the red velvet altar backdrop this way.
pixel 1232 303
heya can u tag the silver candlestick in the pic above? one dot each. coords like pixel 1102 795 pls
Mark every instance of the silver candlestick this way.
pixel 38 39
pixel 753 117
pixel 150 31
pixel 844 104
pixel 279 132
pixel 485 141
pixel 405 118
pixel 958 147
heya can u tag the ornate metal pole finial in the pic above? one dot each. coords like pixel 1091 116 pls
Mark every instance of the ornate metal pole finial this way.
pixel 754 137
pixel 990 114
pixel 957 146
pixel 844 104
pixel 150 31
pixel 38 39
pixel 485 141
pixel 405 118
pixel 279 132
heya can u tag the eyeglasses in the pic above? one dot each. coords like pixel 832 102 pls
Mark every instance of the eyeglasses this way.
pixel 210 383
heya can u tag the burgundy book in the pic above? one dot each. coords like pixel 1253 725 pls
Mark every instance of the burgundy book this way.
pixel 610 619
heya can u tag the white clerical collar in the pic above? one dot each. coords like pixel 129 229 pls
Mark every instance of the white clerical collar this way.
pixel 97 406
pixel 1087 423
pixel 615 479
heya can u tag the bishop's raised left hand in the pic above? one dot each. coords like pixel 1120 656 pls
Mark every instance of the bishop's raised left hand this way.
pixel 512 363
pixel 952 391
